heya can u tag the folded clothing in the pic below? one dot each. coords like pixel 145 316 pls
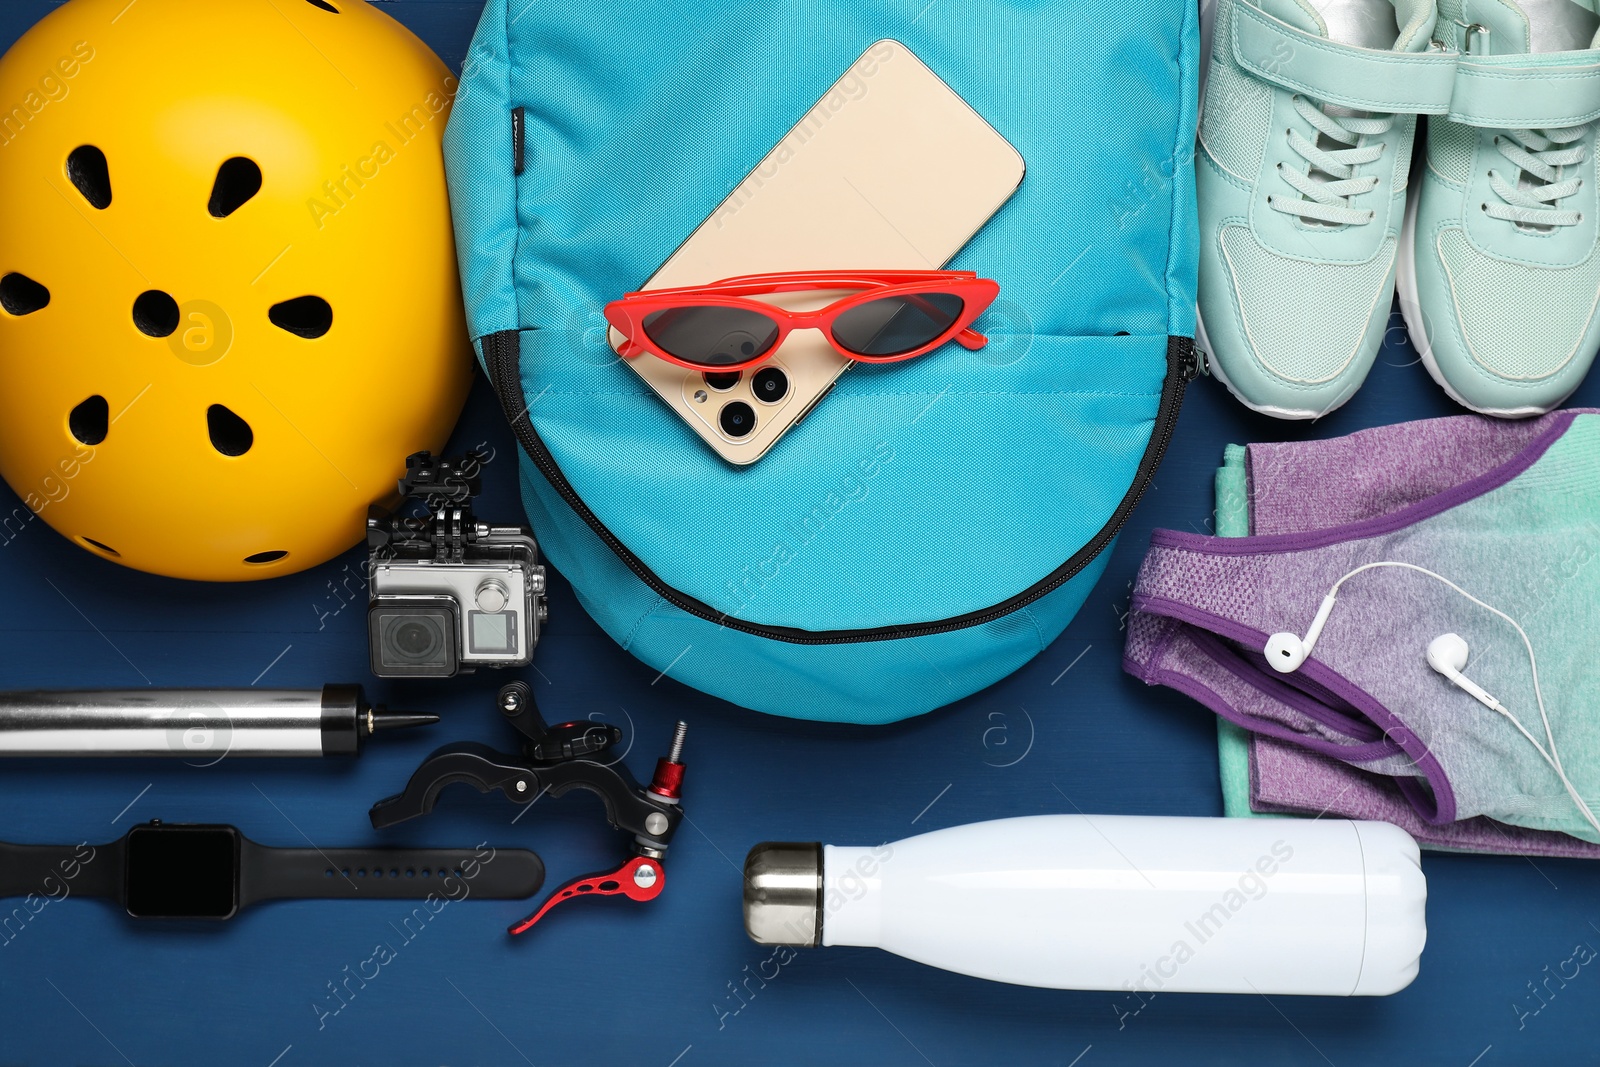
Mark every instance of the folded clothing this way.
pixel 1508 511
pixel 1263 776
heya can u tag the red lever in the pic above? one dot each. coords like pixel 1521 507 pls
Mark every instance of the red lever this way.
pixel 641 878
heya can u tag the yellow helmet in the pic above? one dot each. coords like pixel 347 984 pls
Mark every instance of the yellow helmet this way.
pixel 229 306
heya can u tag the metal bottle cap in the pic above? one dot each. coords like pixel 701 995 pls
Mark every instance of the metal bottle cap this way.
pixel 783 894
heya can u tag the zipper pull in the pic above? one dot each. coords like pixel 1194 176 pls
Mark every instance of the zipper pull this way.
pixel 518 124
pixel 1190 363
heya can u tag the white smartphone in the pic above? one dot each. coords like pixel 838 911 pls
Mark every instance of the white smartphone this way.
pixel 889 170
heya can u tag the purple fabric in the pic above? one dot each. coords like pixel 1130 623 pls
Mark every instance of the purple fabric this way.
pixel 1401 752
pixel 1461 487
pixel 1289 780
pixel 1296 487
pixel 1302 496
pixel 1314 485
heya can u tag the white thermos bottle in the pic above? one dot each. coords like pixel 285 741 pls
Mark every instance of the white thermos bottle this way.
pixel 1150 904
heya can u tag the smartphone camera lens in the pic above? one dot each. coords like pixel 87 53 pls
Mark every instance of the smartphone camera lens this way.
pixel 722 381
pixel 737 419
pixel 770 385
pixel 737 347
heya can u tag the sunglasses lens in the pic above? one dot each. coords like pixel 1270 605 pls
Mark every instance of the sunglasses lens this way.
pixel 896 324
pixel 711 336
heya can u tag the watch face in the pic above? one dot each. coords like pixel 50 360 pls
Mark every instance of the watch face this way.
pixel 182 872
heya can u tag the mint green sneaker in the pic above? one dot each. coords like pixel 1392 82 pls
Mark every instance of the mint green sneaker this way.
pixel 1499 272
pixel 1305 145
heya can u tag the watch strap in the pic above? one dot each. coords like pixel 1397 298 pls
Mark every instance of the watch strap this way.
pixel 486 872
pixel 60 871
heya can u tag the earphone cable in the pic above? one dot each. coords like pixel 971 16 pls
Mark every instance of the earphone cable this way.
pixel 1553 756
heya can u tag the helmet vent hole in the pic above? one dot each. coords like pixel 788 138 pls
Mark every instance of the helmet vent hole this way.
pixel 230 434
pixel 155 313
pixel 21 295
pixel 266 557
pixel 304 316
pixel 87 169
pixel 96 545
pixel 238 180
pixel 90 421
pixel 324 5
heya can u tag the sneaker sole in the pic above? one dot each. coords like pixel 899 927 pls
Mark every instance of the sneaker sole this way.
pixel 1405 285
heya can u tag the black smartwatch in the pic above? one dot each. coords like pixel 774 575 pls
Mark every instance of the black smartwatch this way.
pixel 202 871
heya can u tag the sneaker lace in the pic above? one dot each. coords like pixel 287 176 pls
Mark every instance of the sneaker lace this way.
pixel 1542 156
pixel 1329 201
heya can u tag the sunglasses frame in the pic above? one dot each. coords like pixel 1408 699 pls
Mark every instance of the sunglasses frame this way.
pixel 627 315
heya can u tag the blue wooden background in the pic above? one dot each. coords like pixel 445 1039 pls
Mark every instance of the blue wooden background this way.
pixel 677 982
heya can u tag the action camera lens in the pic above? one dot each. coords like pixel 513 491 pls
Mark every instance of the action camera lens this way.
pixel 414 640
pixel 737 419
pixel 722 380
pixel 770 385
pixel 417 639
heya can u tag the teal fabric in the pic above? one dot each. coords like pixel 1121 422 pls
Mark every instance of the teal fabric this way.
pixel 914 492
pixel 1522 539
pixel 481 199
pixel 1233 742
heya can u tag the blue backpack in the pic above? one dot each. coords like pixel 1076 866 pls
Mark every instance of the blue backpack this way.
pixel 932 525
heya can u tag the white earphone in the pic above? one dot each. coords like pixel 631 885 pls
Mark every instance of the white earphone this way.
pixel 1286 652
pixel 1447 654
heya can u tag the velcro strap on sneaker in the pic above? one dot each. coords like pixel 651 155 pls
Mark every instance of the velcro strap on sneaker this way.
pixel 1523 92
pixel 1407 83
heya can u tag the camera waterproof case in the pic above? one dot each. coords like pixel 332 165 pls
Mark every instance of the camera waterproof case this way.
pixel 449 594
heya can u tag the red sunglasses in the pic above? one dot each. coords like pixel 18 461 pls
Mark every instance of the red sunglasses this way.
pixel 897 314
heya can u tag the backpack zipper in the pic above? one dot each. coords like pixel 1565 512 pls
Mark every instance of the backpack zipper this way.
pixel 502 356
pixel 519 126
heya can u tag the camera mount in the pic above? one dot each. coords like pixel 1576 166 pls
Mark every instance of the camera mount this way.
pixel 449 594
pixel 447 488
